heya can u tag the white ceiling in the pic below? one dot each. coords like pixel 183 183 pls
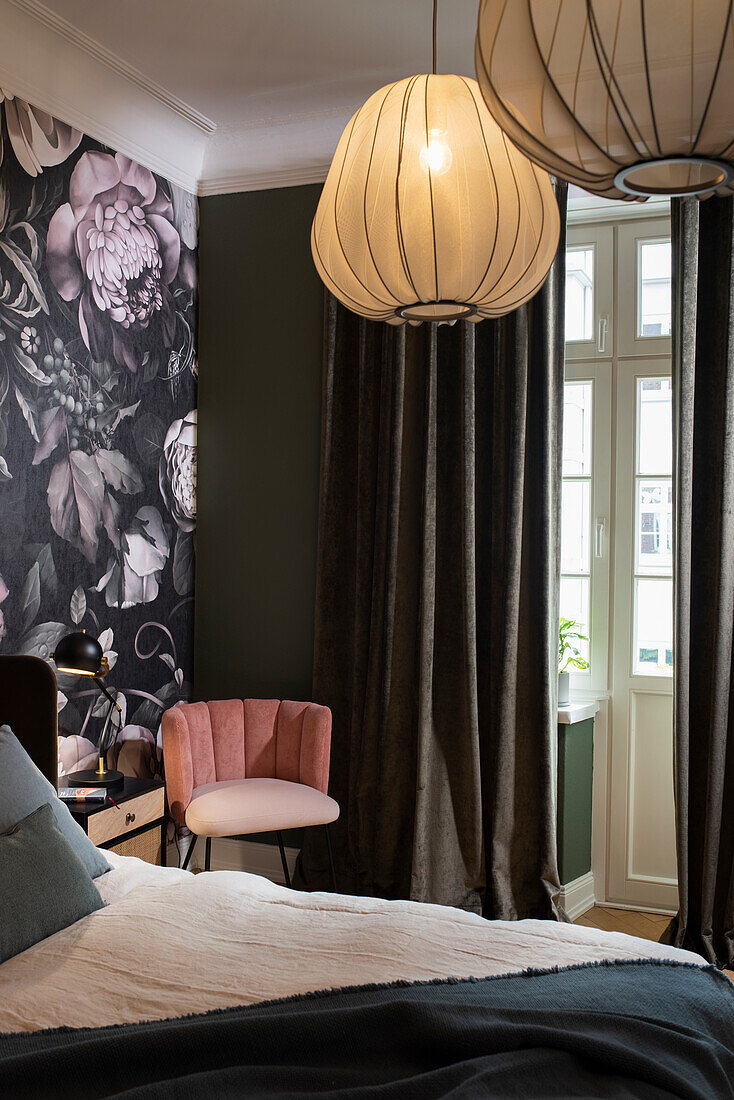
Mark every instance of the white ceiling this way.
pixel 223 95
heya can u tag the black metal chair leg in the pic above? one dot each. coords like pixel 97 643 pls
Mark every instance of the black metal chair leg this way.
pixel 331 858
pixel 208 857
pixel 286 872
pixel 190 851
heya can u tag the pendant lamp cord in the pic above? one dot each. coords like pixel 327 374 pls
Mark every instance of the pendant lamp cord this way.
pixel 435 23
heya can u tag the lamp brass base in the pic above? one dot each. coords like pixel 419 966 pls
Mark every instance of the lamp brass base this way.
pixel 93 778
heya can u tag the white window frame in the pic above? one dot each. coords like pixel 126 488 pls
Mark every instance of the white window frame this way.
pixel 626 573
pixel 620 874
pixel 629 238
pixel 593 682
pixel 601 240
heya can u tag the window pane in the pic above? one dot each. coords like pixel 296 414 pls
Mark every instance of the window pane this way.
pixel 654 426
pixel 577 429
pixel 653 627
pixel 575 605
pixel 579 293
pixel 654 525
pixel 575 524
pixel 653 291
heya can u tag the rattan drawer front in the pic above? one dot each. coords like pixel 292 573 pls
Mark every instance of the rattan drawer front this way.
pixel 112 823
pixel 146 845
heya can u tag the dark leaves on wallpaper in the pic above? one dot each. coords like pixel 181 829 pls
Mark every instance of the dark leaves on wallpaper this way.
pixel 4 387
pixel 27 270
pixel 76 493
pixel 148 713
pixel 183 563
pixel 118 472
pixel 97 413
pixel 30 368
pixel 111 519
pixel 149 431
pixel 42 640
pixel 27 407
pixel 53 426
pixel 77 605
pixel 47 568
pixel 30 598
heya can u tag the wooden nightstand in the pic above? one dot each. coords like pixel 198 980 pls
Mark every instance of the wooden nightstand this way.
pixel 136 826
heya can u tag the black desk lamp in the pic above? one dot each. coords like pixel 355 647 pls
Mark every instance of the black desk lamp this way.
pixel 81 655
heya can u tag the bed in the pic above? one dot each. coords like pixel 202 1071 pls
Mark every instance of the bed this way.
pixel 170 942
pixel 225 984
pixel 170 946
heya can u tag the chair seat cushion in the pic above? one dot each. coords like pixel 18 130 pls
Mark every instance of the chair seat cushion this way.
pixel 257 806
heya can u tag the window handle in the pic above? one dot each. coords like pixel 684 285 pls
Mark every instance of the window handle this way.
pixel 601 342
pixel 599 538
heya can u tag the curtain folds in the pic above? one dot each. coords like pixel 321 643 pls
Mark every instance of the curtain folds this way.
pixel 437 606
pixel 703 388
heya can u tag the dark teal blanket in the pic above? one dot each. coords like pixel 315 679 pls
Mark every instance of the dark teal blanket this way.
pixel 626 1029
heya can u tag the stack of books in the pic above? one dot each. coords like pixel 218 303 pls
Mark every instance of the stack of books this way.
pixel 83 794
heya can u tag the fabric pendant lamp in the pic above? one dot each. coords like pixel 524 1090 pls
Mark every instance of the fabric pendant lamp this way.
pixel 625 98
pixel 429 213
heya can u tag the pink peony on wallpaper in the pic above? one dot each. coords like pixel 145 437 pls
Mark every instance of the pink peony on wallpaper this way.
pixel 97 417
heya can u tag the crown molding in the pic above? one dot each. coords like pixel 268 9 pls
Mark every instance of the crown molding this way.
pixel 228 183
pixel 106 134
pixel 594 208
pixel 284 151
pixel 100 53
pixel 47 61
pixel 52 71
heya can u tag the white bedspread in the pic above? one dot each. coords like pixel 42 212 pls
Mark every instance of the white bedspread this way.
pixel 170 943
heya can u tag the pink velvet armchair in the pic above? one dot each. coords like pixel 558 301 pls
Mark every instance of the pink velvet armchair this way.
pixel 235 767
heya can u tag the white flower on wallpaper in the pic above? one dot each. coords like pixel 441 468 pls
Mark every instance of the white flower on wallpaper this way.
pixel 98 317
pixel 135 578
pixel 38 140
pixel 177 471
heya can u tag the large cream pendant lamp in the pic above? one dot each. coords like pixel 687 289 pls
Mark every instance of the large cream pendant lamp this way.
pixel 626 98
pixel 429 213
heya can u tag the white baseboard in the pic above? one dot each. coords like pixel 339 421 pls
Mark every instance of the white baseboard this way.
pixel 577 897
pixel 229 854
pixel 251 855
pixel 635 908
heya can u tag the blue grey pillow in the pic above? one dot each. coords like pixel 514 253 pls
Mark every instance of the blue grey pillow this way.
pixel 50 886
pixel 23 788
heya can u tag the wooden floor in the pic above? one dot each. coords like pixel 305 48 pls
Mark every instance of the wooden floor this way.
pixel 647 926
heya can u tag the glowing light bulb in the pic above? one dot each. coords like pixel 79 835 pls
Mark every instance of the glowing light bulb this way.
pixel 436 156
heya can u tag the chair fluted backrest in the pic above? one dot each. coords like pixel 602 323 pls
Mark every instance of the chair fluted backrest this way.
pixel 243 739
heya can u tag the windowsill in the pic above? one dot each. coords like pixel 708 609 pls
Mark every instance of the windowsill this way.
pixel 577 712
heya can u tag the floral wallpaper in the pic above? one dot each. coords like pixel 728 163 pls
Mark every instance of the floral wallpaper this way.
pixel 97 416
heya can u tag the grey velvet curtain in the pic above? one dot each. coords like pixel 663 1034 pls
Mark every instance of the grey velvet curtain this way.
pixel 437 606
pixel 703 384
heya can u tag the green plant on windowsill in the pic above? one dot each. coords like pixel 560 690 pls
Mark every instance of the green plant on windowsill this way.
pixel 569 656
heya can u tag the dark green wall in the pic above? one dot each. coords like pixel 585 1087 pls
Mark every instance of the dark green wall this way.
pixel 575 782
pixel 260 324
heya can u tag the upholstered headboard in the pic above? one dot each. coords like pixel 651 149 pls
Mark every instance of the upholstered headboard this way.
pixel 28 706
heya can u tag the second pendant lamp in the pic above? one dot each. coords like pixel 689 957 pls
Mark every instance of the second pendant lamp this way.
pixel 429 213
pixel 625 98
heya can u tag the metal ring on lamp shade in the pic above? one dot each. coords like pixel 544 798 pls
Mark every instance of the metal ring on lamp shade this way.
pixel 429 212
pixel 625 99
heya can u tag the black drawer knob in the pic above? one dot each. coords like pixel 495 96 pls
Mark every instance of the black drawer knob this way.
pixel 129 818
